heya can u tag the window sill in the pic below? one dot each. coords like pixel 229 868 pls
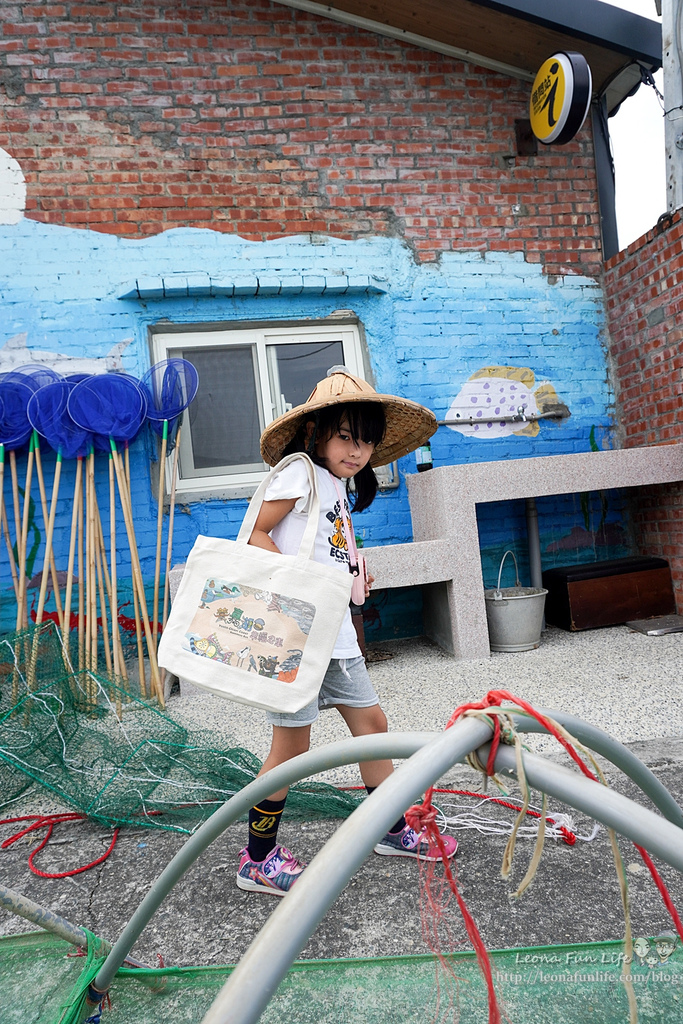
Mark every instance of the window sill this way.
pixel 228 492
pixel 177 286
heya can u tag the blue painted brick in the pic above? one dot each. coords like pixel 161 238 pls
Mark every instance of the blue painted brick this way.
pixel 435 327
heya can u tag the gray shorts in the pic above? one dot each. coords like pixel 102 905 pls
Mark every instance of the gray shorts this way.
pixel 346 682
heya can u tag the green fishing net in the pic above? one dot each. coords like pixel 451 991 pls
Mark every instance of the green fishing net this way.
pixel 112 755
pixel 41 981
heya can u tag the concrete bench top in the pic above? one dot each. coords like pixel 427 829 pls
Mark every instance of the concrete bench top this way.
pixel 408 565
pixel 550 474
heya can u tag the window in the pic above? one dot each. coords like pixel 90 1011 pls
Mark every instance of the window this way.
pixel 247 378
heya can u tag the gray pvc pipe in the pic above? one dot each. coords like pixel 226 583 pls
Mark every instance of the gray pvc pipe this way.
pixel 263 966
pixel 255 979
pixel 22 906
pixel 616 752
pixel 534 543
pixel 642 826
pixel 46 919
pixel 335 754
pixel 349 751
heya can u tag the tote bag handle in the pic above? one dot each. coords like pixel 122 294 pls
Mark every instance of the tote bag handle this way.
pixel 308 540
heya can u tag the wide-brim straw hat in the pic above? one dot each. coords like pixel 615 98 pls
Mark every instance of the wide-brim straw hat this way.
pixel 409 424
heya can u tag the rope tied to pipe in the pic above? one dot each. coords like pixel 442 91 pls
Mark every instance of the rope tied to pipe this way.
pixel 491 709
pixel 423 817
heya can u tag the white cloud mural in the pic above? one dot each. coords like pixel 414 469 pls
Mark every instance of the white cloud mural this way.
pixel 12 190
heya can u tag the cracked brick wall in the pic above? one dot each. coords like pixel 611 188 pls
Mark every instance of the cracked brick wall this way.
pixel 252 118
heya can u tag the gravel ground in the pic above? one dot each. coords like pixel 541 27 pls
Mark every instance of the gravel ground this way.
pixel 624 682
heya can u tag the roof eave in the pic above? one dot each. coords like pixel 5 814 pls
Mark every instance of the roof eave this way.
pixel 590 20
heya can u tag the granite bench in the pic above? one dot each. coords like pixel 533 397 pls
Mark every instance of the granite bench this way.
pixel 444 556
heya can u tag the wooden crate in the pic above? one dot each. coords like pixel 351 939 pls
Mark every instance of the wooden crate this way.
pixel 608 593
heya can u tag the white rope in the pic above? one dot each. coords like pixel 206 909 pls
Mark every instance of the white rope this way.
pixel 455 817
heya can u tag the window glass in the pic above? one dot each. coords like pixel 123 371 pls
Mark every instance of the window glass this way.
pixel 224 417
pixel 295 369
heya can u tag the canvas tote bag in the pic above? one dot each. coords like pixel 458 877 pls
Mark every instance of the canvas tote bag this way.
pixel 252 625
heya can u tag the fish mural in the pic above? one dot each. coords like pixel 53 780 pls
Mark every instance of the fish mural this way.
pixel 500 396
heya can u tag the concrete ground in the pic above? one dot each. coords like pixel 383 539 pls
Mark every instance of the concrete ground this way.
pixel 624 682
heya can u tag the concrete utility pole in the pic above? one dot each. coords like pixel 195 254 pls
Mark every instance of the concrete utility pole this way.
pixel 672 65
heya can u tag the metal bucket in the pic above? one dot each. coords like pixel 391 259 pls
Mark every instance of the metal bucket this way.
pixel 515 614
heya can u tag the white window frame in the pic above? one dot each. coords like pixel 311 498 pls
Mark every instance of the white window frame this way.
pixel 167 342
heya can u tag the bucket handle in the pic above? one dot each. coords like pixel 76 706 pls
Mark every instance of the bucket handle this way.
pixel 498 596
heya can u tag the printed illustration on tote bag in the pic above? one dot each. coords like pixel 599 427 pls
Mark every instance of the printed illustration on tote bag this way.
pixel 251 629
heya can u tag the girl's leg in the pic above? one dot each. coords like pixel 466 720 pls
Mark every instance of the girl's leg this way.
pixel 264 865
pixel 264 818
pixel 287 742
pixel 367 722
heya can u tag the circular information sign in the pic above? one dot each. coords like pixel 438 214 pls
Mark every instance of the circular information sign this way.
pixel 560 98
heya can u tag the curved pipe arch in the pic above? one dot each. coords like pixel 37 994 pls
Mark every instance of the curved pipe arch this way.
pixel 265 963
pixel 352 750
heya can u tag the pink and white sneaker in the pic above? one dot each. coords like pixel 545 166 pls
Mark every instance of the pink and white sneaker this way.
pixel 409 843
pixel 276 874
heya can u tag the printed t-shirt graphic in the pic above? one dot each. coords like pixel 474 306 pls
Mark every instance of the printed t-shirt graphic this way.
pixel 292 482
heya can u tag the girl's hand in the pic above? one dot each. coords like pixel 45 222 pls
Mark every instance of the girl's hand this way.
pixel 368 583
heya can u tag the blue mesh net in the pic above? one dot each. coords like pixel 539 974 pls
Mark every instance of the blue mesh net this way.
pixel 36 375
pixel 171 385
pixel 48 413
pixel 110 406
pixel 15 426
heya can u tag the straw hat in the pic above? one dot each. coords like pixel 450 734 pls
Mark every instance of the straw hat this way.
pixel 408 424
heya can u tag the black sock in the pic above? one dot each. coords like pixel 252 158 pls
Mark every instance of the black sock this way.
pixel 400 824
pixel 264 821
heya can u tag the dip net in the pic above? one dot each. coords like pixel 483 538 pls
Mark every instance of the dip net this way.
pixel 108 753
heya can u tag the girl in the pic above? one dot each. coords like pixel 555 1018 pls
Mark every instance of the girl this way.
pixel 346 428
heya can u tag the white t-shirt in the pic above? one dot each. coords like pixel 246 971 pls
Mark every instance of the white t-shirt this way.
pixel 330 543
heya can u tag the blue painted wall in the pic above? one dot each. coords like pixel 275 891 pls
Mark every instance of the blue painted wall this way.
pixel 437 324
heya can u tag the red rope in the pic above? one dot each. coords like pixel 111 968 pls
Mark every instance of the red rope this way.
pixel 664 892
pixel 494 698
pixel 49 821
pixel 423 816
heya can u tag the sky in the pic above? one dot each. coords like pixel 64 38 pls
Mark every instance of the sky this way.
pixel 637 135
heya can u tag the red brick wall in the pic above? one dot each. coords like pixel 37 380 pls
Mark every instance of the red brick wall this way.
pixel 253 118
pixel 644 294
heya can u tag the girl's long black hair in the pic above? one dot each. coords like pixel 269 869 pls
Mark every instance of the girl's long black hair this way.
pixel 367 422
